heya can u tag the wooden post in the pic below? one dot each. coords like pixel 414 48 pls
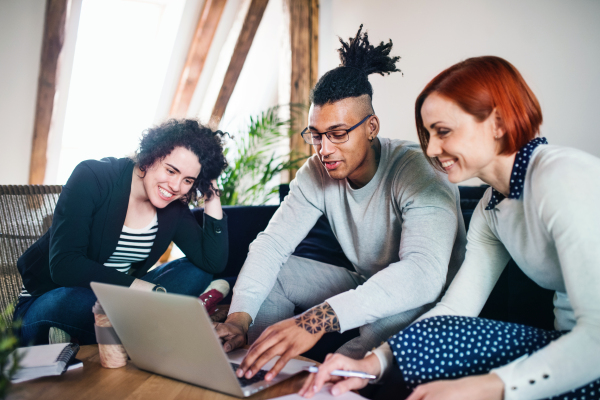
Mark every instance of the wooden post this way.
pixel 212 10
pixel 52 43
pixel 242 47
pixel 304 37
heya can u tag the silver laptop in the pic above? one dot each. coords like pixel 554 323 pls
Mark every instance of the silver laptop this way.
pixel 172 335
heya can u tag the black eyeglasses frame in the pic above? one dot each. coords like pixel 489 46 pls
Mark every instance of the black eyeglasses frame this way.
pixel 306 131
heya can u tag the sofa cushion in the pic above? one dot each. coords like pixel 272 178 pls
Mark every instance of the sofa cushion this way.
pixel 246 222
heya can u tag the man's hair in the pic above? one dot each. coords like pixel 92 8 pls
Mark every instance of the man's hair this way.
pixel 159 141
pixel 478 86
pixel 359 59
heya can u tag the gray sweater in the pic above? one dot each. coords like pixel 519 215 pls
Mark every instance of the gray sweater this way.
pixel 403 232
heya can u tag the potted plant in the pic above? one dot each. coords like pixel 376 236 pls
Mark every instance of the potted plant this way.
pixel 256 159
pixel 8 343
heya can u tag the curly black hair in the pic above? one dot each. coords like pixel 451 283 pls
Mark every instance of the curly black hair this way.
pixel 359 59
pixel 158 142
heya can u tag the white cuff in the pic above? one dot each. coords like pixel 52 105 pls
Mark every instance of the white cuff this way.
pixel 384 355
pixel 523 386
pixel 241 303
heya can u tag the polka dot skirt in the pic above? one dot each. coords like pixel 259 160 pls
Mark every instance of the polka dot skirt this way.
pixel 450 347
pixel 517 176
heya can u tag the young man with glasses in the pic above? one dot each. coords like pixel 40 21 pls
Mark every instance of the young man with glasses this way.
pixel 397 220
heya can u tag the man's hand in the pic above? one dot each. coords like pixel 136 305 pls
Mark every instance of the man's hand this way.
pixel 315 382
pixel 233 331
pixel 482 387
pixel 288 339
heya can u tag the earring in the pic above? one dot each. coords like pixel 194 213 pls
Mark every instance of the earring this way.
pixel 370 139
pixel 496 137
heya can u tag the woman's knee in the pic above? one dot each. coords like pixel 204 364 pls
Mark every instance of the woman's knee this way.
pixel 63 305
pixel 180 276
pixel 69 309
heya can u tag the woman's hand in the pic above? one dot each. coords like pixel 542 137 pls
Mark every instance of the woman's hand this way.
pixel 482 387
pixel 212 207
pixel 141 285
pixel 315 382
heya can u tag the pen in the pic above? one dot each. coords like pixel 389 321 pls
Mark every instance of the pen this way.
pixel 345 374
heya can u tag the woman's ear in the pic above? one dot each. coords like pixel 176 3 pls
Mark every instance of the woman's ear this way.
pixel 498 126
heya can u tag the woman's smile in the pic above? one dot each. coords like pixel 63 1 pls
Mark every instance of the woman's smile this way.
pixel 447 164
pixel 165 194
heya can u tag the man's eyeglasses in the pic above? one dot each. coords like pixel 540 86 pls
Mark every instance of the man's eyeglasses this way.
pixel 335 136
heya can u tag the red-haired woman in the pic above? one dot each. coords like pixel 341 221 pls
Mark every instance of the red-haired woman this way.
pixel 479 119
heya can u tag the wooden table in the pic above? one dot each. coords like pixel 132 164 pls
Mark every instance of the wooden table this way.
pixel 94 382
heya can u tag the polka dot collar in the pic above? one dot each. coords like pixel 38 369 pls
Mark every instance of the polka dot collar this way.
pixel 517 177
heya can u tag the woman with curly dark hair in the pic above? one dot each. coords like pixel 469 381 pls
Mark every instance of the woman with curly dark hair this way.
pixel 114 219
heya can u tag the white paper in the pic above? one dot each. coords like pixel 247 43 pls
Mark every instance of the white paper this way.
pixel 324 394
pixel 40 356
pixel 38 361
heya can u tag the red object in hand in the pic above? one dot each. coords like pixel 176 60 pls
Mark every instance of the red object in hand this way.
pixel 210 300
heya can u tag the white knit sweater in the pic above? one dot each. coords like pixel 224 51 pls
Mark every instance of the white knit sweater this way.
pixel 553 233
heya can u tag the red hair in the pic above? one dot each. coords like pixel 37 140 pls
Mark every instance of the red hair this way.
pixel 478 86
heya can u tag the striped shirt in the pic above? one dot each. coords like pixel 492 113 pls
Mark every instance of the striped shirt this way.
pixel 134 245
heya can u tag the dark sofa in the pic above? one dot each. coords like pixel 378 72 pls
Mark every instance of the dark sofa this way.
pixel 515 297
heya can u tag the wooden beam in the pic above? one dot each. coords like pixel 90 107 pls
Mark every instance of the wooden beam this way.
pixel 52 43
pixel 242 46
pixel 304 37
pixel 212 10
pixel 314 42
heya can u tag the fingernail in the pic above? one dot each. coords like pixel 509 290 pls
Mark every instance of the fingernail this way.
pixel 239 373
pixel 227 347
pixel 268 377
pixel 335 391
pixel 249 374
pixel 315 388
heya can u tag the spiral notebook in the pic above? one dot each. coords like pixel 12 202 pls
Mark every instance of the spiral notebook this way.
pixel 45 360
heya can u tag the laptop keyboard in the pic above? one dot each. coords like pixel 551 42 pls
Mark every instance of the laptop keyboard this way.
pixel 260 376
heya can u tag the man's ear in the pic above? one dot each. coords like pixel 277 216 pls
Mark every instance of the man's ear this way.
pixel 373 125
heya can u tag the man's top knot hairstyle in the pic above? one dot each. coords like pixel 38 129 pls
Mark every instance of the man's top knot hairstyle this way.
pixel 359 59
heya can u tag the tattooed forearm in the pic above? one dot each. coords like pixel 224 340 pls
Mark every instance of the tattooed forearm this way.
pixel 319 318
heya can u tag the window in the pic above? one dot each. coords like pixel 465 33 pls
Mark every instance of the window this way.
pixel 121 59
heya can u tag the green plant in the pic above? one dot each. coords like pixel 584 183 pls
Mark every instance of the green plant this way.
pixel 256 158
pixel 8 343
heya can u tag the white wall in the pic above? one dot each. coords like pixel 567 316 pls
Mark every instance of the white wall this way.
pixel 21 31
pixel 554 43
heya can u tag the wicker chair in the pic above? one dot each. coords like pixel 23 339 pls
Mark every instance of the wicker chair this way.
pixel 25 215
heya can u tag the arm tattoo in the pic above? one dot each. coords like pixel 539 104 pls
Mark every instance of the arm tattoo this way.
pixel 319 318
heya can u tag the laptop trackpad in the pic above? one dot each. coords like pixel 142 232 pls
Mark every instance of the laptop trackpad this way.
pixel 292 368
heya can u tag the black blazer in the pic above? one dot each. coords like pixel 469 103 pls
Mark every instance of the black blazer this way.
pixel 88 221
